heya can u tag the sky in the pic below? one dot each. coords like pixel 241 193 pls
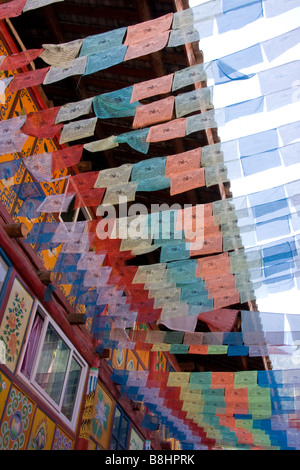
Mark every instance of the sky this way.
pixel 217 46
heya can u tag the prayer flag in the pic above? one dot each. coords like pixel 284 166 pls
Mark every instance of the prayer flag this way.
pixel 20 59
pixel 28 79
pixel 61 55
pixel 170 130
pixel 157 86
pixel 42 123
pixel 148 46
pixel 67 157
pixel 154 113
pixel 148 29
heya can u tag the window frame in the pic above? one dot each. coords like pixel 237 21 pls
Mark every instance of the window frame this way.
pixel 31 381
pixel 116 436
pixel 7 275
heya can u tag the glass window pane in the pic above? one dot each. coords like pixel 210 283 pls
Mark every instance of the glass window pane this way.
pixel 52 364
pixel 113 444
pixel 71 389
pixel 32 346
pixel 123 432
pixel 3 272
pixel 116 422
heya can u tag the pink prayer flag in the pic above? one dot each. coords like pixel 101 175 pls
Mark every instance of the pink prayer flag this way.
pixel 21 59
pixel 66 157
pixel 157 86
pixel 148 46
pixel 219 320
pixel 183 162
pixel 170 130
pixel 89 198
pixel 42 123
pixel 148 29
pixel 153 113
pixel 28 79
pixel 187 181
pixel 12 9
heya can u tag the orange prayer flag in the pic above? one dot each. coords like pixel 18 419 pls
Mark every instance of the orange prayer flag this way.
pixel 213 266
pixel 148 29
pixel 170 130
pixel 182 162
pixel 198 349
pixel 66 157
pixel 152 113
pixel 210 244
pixel 222 379
pixel 149 88
pixel 42 123
pixel 187 181
pixel 28 79
pixel 220 284
pixel 239 394
pixel 230 298
pixel 228 421
pixel 19 60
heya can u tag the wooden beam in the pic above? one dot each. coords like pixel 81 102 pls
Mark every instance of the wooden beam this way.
pixel 93 11
pixel 16 230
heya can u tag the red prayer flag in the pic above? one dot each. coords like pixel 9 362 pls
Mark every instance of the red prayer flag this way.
pixel 149 88
pixel 139 346
pixel 66 157
pixel 152 113
pixel 42 123
pixel 11 9
pixel 28 79
pixel 21 59
pixel 89 198
pixel 82 182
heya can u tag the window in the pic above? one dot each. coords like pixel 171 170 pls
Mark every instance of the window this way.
pixel 4 268
pixel 53 367
pixel 120 431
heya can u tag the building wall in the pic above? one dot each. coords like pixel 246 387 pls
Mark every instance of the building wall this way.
pixel 27 420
